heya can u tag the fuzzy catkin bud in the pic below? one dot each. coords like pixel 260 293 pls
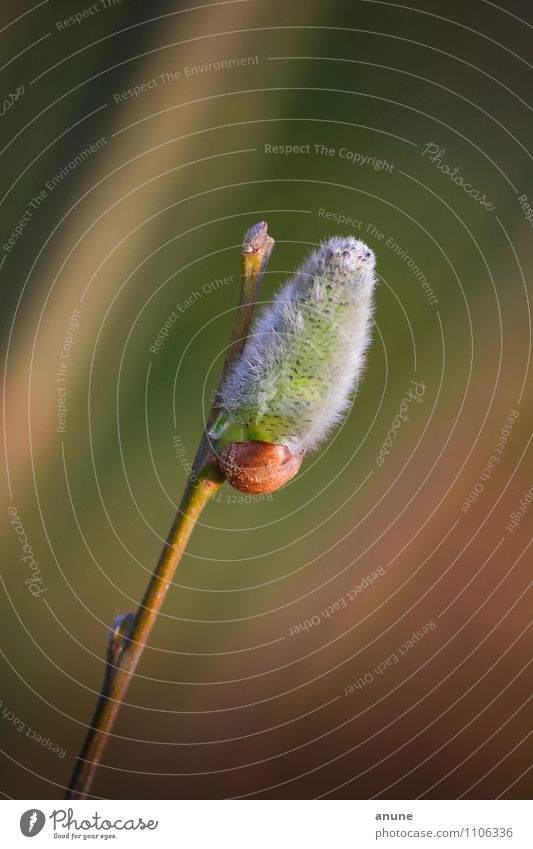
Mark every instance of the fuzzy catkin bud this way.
pixel 298 370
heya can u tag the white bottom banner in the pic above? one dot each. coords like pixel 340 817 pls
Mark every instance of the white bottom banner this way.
pixel 267 824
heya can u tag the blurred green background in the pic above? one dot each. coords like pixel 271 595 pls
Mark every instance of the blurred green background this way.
pixel 225 702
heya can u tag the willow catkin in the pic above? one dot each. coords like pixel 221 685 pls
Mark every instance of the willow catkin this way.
pixel 298 371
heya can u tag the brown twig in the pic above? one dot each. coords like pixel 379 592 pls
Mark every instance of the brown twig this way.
pixel 129 633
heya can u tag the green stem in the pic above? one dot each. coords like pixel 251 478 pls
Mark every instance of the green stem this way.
pixel 126 647
pixel 129 633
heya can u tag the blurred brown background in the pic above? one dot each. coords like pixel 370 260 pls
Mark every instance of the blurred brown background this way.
pixel 178 103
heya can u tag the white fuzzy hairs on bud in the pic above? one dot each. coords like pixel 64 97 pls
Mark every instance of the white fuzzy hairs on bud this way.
pixel 298 371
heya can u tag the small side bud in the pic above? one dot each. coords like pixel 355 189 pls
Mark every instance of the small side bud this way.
pixel 255 238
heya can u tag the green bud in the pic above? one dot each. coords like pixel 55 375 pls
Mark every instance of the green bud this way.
pixel 297 373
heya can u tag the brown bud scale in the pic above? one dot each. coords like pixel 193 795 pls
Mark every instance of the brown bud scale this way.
pixel 258 467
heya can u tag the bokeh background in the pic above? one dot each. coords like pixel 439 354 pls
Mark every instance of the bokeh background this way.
pixel 225 702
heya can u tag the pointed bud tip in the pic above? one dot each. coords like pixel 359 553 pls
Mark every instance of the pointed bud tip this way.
pixel 255 238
